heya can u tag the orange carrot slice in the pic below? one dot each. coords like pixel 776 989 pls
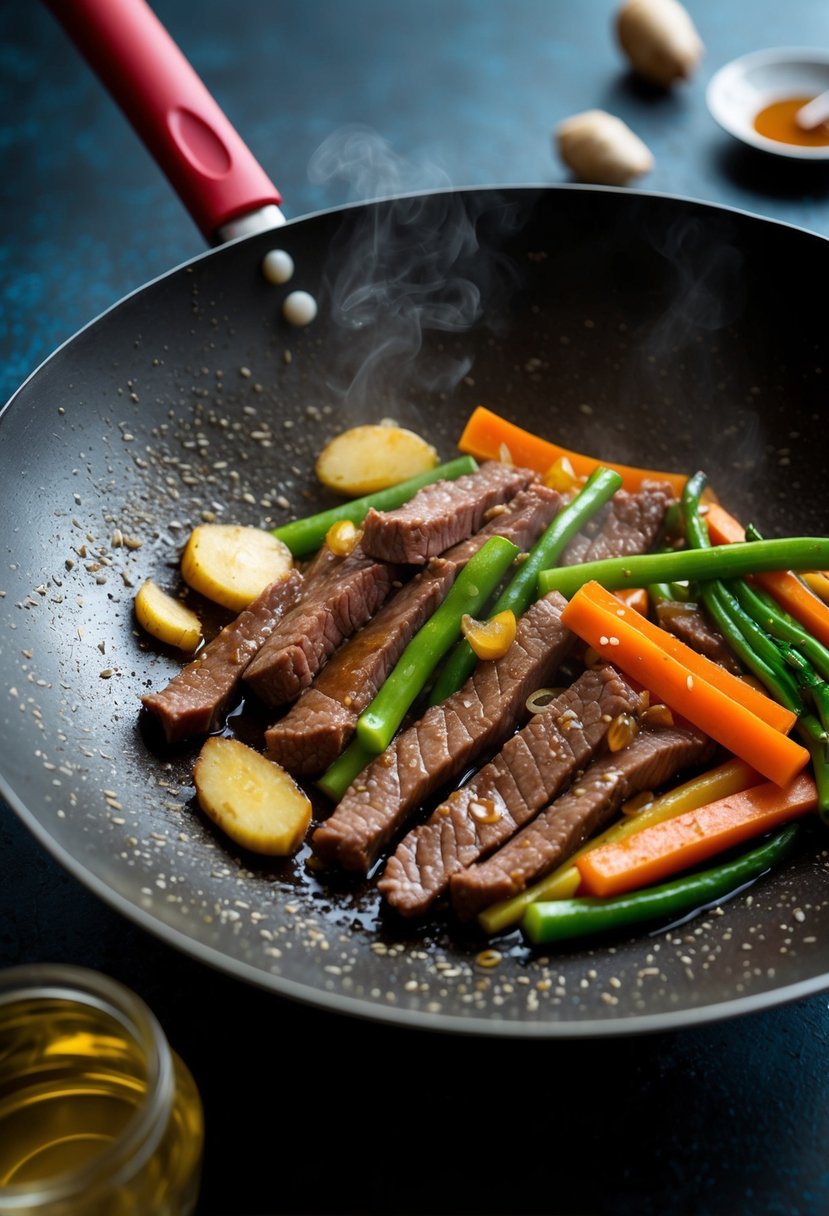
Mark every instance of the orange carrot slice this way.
pixel 679 843
pixel 636 598
pixel 618 635
pixel 487 434
pixel 789 591
pixel 745 694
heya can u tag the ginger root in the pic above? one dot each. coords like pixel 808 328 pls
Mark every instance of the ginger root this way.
pixel 659 39
pixel 598 147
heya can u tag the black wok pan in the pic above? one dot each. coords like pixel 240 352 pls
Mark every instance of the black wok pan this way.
pixel 639 327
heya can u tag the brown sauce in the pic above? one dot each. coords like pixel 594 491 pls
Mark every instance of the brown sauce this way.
pixel 777 121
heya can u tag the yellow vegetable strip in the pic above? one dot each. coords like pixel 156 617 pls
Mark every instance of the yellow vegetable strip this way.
pixel 732 777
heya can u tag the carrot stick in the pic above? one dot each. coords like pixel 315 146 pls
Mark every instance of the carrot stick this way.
pixel 682 842
pixel 789 591
pixel 636 598
pixel 601 621
pixel 486 434
pixel 747 695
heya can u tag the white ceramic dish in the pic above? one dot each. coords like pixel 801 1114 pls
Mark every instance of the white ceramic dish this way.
pixel 739 90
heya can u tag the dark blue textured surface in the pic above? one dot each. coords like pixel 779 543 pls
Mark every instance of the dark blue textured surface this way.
pixel 730 1118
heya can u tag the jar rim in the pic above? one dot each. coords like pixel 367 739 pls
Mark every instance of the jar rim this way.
pixel 140 1136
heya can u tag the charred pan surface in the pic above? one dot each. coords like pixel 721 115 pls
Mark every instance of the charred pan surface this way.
pixel 445 741
pixel 688 623
pixel 441 514
pixel 317 728
pixel 194 700
pixel 531 768
pixel 629 524
pixel 340 603
pixel 653 758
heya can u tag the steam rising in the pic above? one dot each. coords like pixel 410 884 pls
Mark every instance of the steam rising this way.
pixel 411 265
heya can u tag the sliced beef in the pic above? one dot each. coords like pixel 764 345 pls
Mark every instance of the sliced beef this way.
pixel 195 699
pixel 442 744
pixel 629 524
pixel 690 624
pixel 521 520
pixel 653 758
pixel 441 514
pixel 531 768
pixel 340 603
pixel 317 728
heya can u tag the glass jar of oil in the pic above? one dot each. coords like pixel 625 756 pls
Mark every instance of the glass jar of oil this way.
pixel 98 1116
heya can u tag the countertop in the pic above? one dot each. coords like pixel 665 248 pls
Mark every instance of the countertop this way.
pixel 307 1112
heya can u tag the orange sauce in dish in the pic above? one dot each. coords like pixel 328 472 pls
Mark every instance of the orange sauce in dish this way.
pixel 777 121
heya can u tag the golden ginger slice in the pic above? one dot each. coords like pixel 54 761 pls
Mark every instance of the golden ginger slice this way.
pixel 368 458
pixel 254 801
pixel 232 565
pixel 166 618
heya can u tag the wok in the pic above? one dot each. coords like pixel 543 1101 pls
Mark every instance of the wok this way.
pixel 642 328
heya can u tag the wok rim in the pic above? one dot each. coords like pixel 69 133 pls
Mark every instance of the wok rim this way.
pixel 361 1008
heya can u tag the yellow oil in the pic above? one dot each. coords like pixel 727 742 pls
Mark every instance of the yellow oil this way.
pixel 74 1086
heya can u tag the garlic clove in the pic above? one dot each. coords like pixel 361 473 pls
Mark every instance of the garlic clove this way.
pixel 598 147
pixel 659 39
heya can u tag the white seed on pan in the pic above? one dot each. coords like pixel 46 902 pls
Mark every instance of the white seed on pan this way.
pixel 277 266
pixel 299 308
pixel 598 147
pixel 659 39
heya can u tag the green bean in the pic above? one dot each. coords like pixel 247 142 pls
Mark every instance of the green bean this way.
pixel 776 621
pixel 305 536
pixel 808 679
pixel 720 561
pixel 338 776
pixel 752 646
pixel 816 740
pixel 472 588
pixel 522 588
pixel 558 920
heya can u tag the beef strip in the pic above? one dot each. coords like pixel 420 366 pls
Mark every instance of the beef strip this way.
pixel 654 757
pixel 629 524
pixel 690 624
pixel 442 744
pixel 341 601
pixel 531 768
pixel 195 699
pixel 441 514
pixel 317 728
pixel 521 520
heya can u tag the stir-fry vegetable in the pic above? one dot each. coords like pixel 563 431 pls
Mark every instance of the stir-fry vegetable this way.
pixel 472 588
pixel 365 459
pixel 720 561
pixel 616 634
pixel 522 588
pixel 166 618
pixel 490 437
pixel 254 801
pixel 562 883
pixel 686 840
pixel 305 536
pixel 750 643
pixel 559 920
pixel 231 565
pixel 789 591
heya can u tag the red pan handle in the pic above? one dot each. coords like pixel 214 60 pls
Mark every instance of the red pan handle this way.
pixel 213 171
